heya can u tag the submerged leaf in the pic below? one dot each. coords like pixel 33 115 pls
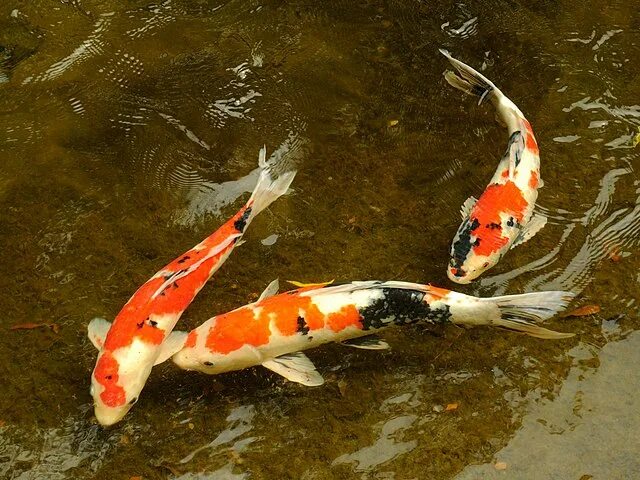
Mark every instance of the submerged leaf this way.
pixel 451 406
pixel 30 326
pixel 500 466
pixel 583 311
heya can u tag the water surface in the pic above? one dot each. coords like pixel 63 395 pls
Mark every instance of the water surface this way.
pixel 130 130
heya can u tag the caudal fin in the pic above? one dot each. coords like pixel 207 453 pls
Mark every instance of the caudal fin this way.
pixel 273 183
pixel 467 79
pixel 521 313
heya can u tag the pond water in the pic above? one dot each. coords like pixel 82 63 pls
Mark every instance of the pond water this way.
pixel 130 130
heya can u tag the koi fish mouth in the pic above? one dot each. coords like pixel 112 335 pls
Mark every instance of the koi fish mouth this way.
pixel 458 275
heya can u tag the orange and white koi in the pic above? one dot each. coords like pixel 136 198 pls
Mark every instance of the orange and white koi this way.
pixel 141 334
pixel 274 330
pixel 503 216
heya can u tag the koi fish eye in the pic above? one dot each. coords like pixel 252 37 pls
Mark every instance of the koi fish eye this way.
pixel 133 400
pixel 208 364
pixel 485 264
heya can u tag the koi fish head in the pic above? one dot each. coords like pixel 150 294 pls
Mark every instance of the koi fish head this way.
pixel 207 362
pixel 478 246
pixel 487 231
pixel 116 383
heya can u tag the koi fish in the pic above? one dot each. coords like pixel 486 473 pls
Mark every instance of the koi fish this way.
pixel 276 329
pixel 503 216
pixel 141 335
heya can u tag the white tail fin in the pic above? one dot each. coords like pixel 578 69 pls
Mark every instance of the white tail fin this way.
pixel 473 82
pixel 520 313
pixel 468 80
pixel 268 188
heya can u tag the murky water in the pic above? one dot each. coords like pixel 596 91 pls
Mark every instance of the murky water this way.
pixel 130 130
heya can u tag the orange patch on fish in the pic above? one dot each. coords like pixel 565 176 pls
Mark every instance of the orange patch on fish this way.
pixel 175 297
pixel 533 181
pixel 506 198
pixel 192 338
pixel 505 173
pixel 234 329
pixel 106 374
pixel 348 316
pixel 437 293
pixel 531 143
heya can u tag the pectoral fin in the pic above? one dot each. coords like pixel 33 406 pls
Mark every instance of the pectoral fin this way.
pixel 97 331
pixel 270 291
pixel 295 367
pixel 465 209
pixel 530 229
pixel 370 342
pixel 171 345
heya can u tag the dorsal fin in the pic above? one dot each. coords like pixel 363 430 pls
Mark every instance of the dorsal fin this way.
pixel 270 291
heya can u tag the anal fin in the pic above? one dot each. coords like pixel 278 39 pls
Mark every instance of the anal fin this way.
pixel 370 342
pixel 295 367
pixel 532 227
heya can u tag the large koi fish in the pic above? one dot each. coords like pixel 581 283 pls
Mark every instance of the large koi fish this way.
pixel 274 331
pixel 141 334
pixel 503 215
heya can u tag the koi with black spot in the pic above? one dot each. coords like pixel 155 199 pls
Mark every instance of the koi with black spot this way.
pixel 141 334
pixel 503 216
pixel 274 331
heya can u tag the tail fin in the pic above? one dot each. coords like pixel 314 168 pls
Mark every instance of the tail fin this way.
pixel 520 313
pixel 468 80
pixel 271 184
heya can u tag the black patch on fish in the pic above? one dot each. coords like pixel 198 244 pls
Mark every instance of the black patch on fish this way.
pixel 400 307
pixel 241 223
pixel 302 326
pixel 515 137
pixel 140 325
pixel 153 323
pixel 494 226
pixel 184 259
pixel 511 222
pixel 462 245
pixel 175 284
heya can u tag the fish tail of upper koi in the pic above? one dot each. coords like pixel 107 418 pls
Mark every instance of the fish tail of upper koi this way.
pixel 518 313
pixel 472 82
pixel 275 179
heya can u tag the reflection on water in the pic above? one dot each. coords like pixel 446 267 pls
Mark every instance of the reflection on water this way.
pixel 387 447
pixel 589 431
pixel 53 453
pixel 128 131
